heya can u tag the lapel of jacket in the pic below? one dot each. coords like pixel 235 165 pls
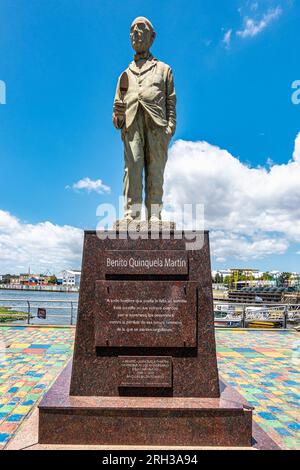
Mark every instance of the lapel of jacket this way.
pixel 147 66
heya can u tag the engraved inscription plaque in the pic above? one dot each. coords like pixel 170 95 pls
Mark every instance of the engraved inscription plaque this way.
pixel 167 262
pixel 145 371
pixel 145 314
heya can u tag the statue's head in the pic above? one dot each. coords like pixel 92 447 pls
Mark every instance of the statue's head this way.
pixel 142 34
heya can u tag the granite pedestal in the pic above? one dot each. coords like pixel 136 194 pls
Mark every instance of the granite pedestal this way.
pixel 144 369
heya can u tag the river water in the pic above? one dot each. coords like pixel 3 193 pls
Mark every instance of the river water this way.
pixel 60 306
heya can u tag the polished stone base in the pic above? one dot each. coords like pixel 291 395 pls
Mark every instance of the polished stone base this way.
pixel 151 421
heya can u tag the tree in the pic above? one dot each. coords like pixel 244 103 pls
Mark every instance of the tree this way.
pixel 218 278
pixel 284 278
pixel 266 277
pixel 52 280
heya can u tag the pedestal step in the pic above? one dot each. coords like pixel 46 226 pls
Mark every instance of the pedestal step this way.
pixel 64 419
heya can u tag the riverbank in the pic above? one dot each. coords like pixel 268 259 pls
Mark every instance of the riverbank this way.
pixel 19 287
pixel 9 315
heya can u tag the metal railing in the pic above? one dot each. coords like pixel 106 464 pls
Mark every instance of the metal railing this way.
pixel 58 312
pixel 247 314
pixel 64 312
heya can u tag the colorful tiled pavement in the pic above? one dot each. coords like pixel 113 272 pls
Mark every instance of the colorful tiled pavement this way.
pixel 30 360
pixel 262 365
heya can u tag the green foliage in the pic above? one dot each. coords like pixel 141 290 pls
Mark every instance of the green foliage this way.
pixel 284 278
pixel 7 315
pixel 218 279
pixel 266 277
pixel 52 280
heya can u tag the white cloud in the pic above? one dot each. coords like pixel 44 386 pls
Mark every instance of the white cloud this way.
pixel 43 246
pixel 252 212
pixel 227 38
pixel 252 27
pixel 296 154
pixel 89 185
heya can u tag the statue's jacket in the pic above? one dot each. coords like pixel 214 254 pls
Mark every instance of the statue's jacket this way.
pixel 152 87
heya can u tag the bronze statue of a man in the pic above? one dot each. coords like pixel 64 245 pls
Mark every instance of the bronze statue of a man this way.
pixel 145 111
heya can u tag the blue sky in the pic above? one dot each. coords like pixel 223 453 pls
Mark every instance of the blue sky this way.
pixel 234 63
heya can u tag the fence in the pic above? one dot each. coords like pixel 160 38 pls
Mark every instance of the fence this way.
pixel 245 315
pixel 39 311
pixel 64 312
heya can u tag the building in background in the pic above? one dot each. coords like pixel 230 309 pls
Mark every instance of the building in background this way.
pixel 14 280
pixel 70 278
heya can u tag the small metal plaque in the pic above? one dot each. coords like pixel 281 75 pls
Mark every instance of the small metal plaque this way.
pixel 146 314
pixel 146 262
pixel 42 313
pixel 137 371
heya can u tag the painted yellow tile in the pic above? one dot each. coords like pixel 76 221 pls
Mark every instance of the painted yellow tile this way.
pixel 22 409
pixel 231 354
pixel 20 345
pixel 258 419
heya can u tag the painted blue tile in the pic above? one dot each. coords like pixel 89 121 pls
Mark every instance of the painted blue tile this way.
pixel 13 389
pixel 274 409
pixel 4 437
pixel 34 374
pixel 266 415
pixel 15 417
pixel 294 403
pixel 294 426
pixel 283 432
pixel 293 395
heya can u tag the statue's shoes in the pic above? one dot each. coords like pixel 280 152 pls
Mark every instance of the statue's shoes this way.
pixel 154 219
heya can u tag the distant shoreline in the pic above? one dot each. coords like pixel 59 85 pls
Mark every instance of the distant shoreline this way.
pixel 70 290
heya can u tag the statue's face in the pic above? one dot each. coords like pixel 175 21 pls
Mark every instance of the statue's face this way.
pixel 141 37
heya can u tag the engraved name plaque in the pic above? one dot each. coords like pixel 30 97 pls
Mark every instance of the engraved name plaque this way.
pixel 145 314
pixel 145 371
pixel 167 262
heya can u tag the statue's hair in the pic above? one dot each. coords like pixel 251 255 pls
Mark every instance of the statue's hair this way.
pixel 143 19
